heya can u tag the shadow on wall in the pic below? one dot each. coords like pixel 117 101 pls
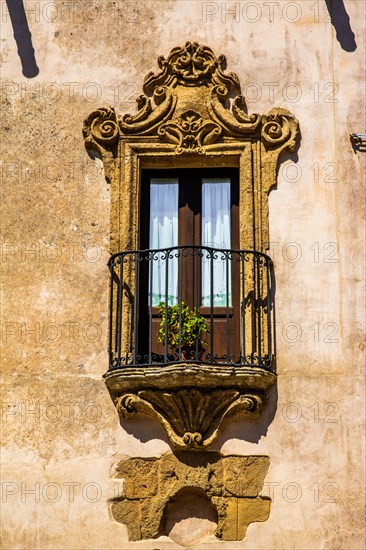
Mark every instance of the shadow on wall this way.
pixel 251 429
pixel 189 517
pixel 23 38
pixel 341 23
pixel 144 429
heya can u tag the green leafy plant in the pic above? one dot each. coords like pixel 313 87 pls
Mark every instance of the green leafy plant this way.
pixel 184 326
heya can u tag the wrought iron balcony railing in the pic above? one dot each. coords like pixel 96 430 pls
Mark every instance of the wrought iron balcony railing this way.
pixel 233 290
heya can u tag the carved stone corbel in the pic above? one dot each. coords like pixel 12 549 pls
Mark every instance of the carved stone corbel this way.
pixel 190 401
pixel 191 417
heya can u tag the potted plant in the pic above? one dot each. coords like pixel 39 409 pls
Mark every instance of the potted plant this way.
pixel 184 328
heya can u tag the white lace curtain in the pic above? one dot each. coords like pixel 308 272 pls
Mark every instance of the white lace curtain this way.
pixel 163 234
pixel 215 233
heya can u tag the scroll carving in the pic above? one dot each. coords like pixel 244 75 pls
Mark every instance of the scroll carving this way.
pixel 191 65
pixel 236 123
pixel 165 109
pixel 190 132
pixel 279 127
pixel 101 133
pixel 148 119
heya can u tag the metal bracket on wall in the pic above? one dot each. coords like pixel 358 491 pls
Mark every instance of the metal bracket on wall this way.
pixel 358 142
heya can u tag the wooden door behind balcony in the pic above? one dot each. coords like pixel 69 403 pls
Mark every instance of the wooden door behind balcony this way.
pixel 191 208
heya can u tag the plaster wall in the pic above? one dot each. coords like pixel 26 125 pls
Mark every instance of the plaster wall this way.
pixel 60 432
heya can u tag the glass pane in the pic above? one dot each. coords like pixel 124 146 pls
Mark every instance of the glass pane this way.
pixel 216 232
pixel 163 234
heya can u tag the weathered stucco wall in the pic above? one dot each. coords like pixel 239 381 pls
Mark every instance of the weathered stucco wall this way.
pixel 61 434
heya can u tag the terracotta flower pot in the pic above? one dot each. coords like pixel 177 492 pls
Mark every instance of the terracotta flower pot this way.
pixel 188 353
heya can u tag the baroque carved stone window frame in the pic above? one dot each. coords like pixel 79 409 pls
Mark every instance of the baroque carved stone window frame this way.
pixel 190 115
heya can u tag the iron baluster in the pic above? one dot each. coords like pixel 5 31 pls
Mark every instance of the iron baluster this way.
pixel 120 307
pixel 212 306
pixel 226 257
pixel 269 328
